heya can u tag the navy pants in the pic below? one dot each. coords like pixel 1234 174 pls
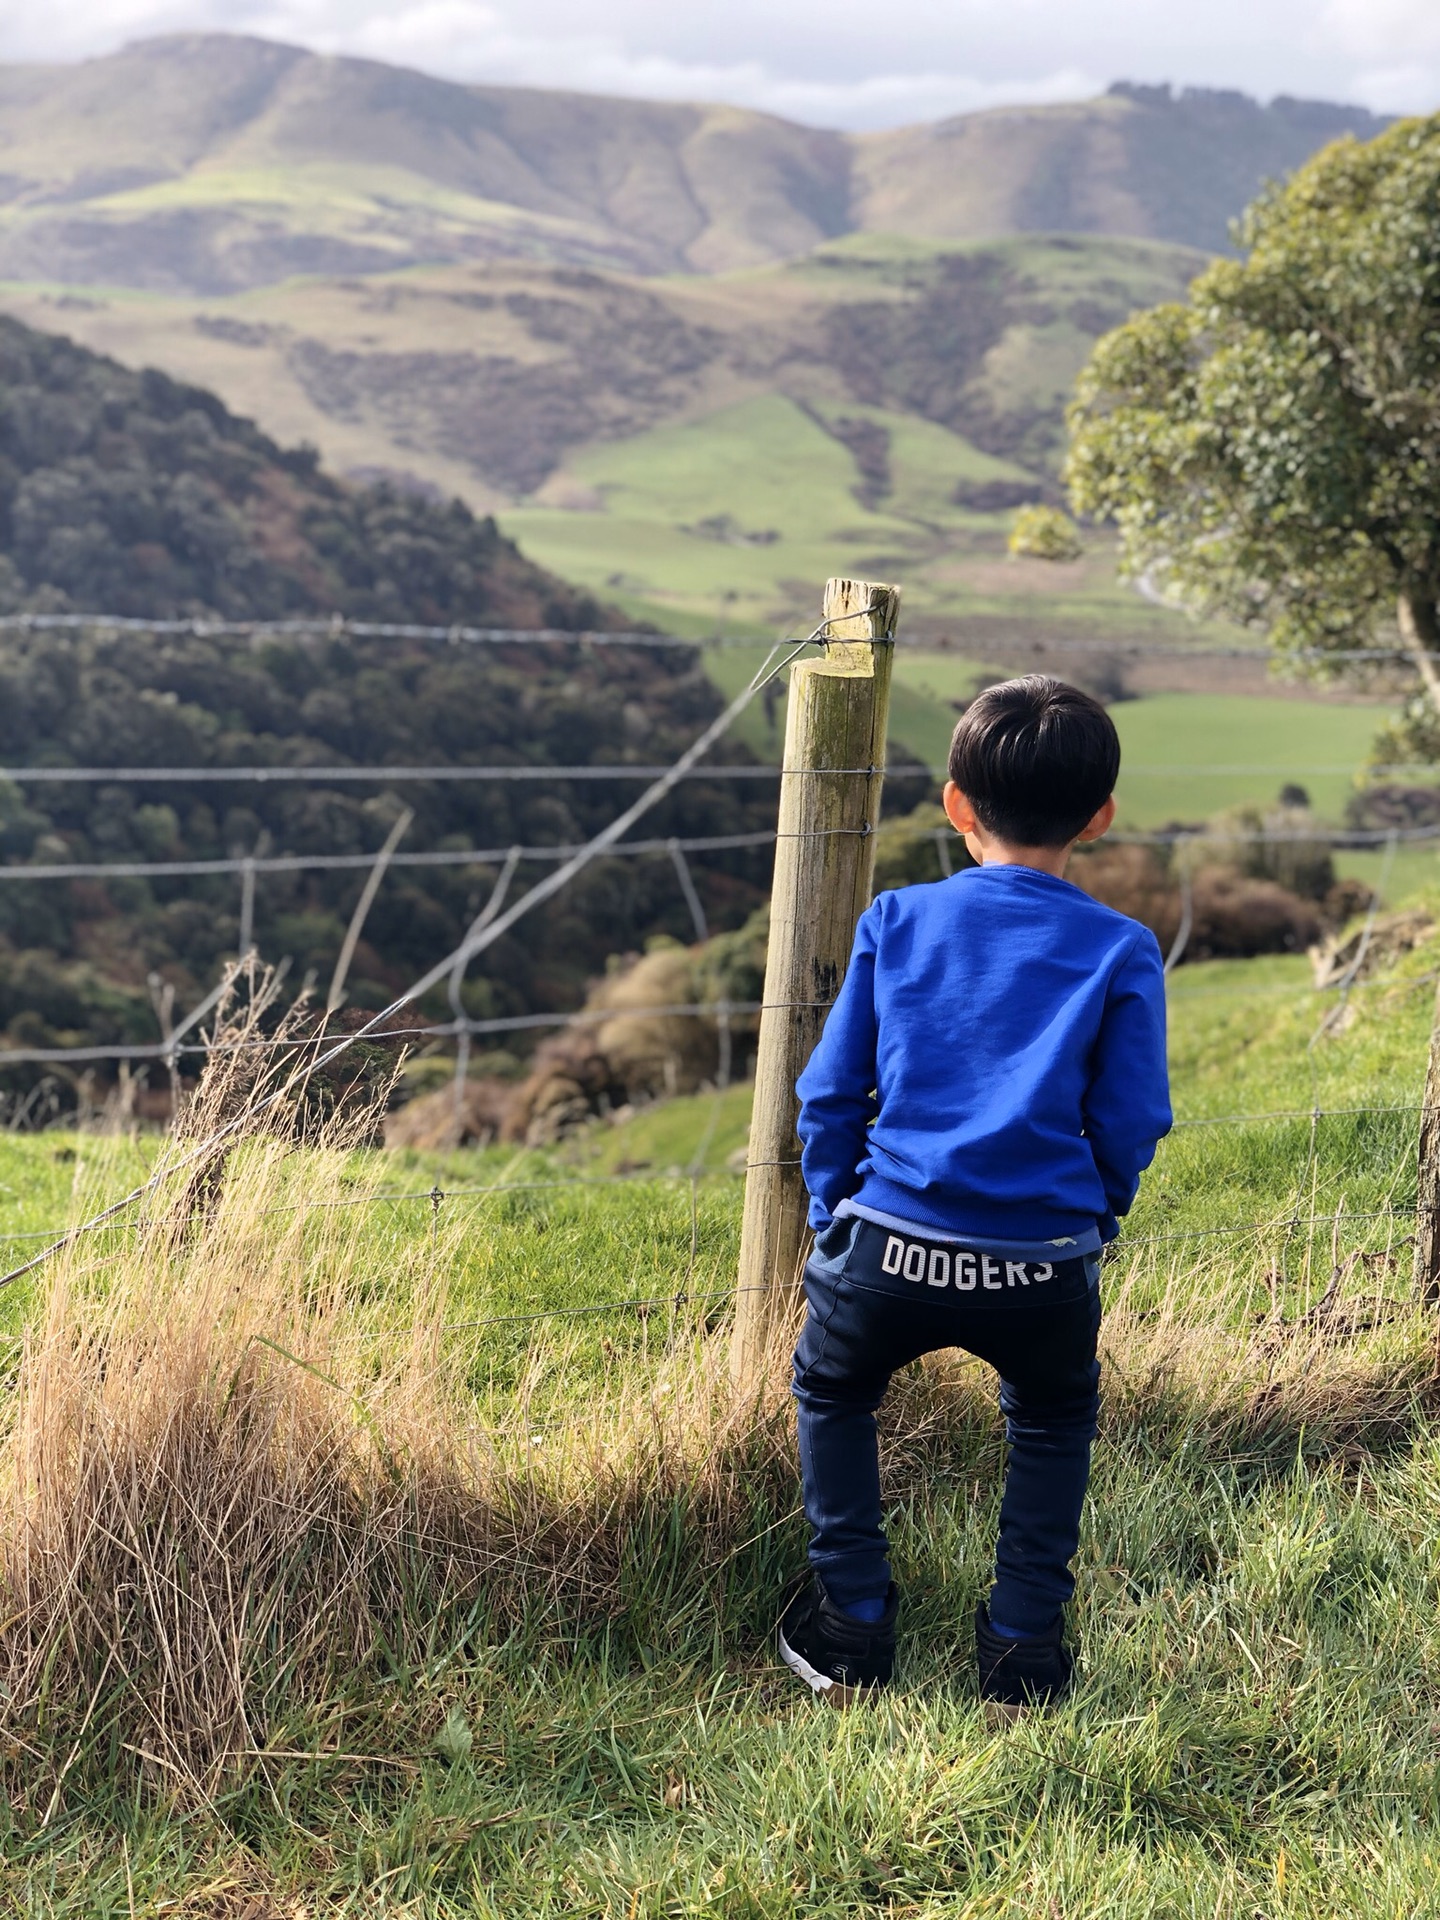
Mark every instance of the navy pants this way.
pixel 878 1300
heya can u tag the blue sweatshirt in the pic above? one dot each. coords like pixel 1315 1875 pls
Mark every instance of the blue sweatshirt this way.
pixel 994 1066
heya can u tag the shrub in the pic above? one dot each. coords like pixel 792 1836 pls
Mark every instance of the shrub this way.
pixel 1044 533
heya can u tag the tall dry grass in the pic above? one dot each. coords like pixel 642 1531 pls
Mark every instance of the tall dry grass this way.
pixel 245 1487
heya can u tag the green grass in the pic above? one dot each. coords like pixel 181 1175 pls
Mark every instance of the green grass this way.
pixel 1185 755
pixel 1179 749
pixel 770 468
pixel 1258 1605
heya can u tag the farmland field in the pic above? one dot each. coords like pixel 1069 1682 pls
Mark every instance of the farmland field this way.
pixel 1186 755
pixel 1258 1594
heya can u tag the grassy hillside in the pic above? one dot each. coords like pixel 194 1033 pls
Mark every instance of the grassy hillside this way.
pixel 1143 161
pixel 211 163
pixel 494 381
pixel 587 1718
pixel 702 451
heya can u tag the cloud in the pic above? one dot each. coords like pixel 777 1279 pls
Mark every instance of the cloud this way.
pixel 468 41
pixel 1394 28
pixel 829 62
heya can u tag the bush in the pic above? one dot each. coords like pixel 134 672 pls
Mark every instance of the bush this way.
pixel 1044 533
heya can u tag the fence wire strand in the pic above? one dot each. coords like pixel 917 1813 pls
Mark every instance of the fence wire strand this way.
pixel 499 913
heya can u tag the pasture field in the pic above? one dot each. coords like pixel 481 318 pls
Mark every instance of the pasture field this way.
pixel 717 525
pixel 502 1647
pixel 1187 755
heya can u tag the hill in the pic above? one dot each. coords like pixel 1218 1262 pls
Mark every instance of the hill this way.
pixel 130 493
pixel 698 358
pixel 697 448
pixel 210 163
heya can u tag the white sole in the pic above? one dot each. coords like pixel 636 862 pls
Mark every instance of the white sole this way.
pixel 822 1685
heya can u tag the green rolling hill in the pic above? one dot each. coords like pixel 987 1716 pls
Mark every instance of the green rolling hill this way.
pixel 697 357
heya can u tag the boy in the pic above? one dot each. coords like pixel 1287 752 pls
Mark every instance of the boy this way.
pixel 989 1087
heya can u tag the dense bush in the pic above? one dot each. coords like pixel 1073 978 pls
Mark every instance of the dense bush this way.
pixel 74 956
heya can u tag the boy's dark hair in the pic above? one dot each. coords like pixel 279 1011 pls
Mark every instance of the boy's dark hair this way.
pixel 1035 758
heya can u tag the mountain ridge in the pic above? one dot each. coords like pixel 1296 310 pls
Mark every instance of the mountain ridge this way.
pixel 209 163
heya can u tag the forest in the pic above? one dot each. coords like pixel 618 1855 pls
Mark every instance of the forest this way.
pixel 126 493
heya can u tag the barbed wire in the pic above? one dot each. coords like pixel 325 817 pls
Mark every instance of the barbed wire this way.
pixel 340 862
pixel 436 1030
pixel 464 1027
pixel 655 1176
pixel 1341 838
pixel 326 775
pixel 174 1047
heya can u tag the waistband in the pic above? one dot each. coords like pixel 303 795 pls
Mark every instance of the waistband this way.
pixel 940 1271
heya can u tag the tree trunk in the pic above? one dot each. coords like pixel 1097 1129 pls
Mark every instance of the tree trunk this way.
pixel 1420 630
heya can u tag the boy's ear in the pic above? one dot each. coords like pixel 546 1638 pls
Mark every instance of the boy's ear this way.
pixel 1100 821
pixel 958 810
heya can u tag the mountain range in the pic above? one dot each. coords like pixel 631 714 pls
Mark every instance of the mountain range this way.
pixel 695 358
pixel 209 163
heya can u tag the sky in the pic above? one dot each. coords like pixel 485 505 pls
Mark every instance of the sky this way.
pixel 839 63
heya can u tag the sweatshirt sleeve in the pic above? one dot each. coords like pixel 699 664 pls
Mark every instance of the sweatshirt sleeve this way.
pixel 837 1087
pixel 1127 1105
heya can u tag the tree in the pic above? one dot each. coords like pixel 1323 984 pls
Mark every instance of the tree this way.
pixel 1270 451
pixel 1044 533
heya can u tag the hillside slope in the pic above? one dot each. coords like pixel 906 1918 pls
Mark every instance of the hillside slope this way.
pixel 1142 161
pixel 209 163
pixel 129 493
pixel 716 443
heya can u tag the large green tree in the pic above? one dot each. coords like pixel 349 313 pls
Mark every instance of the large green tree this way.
pixel 1271 450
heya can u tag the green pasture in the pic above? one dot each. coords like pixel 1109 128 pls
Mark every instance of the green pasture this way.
pixel 1243 1041
pixel 1186 756
pixel 787 506
pixel 1256 1618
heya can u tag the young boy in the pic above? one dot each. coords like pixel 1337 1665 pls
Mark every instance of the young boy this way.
pixel 989 1087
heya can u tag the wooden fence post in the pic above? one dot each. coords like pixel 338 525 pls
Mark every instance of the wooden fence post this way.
pixel 1427 1198
pixel 824 862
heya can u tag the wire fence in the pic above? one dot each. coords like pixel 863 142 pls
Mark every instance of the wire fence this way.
pixel 565 863
pixel 339 626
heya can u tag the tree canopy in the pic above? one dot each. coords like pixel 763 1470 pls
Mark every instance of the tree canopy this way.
pixel 1270 450
pixel 126 492
pixel 129 493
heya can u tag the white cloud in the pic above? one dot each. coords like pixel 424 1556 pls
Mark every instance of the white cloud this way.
pixel 833 62
pixel 1397 29
pixel 469 41
pixel 1407 89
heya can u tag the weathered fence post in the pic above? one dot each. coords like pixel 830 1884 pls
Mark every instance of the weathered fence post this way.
pixel 824 862
pixel 1427 1198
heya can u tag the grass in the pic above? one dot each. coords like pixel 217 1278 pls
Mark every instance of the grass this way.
pixel 1186 755
pixel 506 1590
pixel 1179 749
pixel 793 498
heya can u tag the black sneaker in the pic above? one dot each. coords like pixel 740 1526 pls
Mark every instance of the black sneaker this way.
pixel 1035 1672
pixel 840 1658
